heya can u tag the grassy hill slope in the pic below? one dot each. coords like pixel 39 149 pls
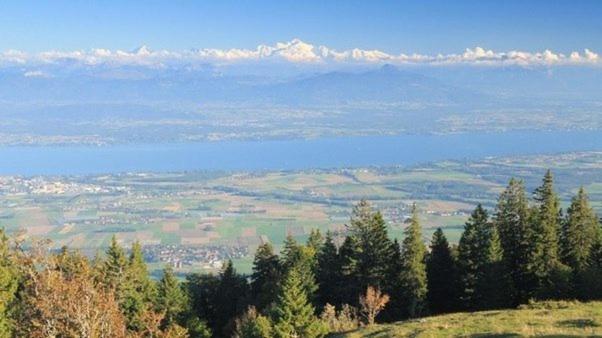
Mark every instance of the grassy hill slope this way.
pixel 543 319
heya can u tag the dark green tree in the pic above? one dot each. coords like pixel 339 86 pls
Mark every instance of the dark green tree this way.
pixel 493 284
pixel 115 276
pixel 441 275
pixel 473 256
pixel 265 277
pixel 139 293
pixel 579 232
pixel 413 274
pixel 293 315
pixel 328 274
pixel 395 309
pixel 348 260
pixel 171 298
pixel 115 267
pixel 315 240
pixel 301 258
pixel 201 290
pixel 290 253
pixel 595 256
pixel 546 229
pixel 374 248
pixel 231 299
pixel 514 223
pixel 589 280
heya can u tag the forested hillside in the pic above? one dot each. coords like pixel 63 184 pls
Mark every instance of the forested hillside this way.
pixel 525 249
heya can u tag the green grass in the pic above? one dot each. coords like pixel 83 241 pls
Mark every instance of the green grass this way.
pixel 545 319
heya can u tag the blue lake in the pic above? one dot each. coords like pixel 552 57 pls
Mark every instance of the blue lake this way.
pixel 290 154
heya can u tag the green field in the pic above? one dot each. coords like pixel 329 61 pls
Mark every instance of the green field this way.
pixel 246 209
pixel 548 319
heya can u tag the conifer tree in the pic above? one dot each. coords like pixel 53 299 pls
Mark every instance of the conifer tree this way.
pixel 314 244
pixel 441 275
pixel 290 253
pixel 138 273
pixel 70 263
pixel 348 260
pixel 301 258
pixel 115 266
pixel 328 274
pixel 374 248
pixel 493 284
pixel 595 256
pixel 315 241
pixel 579 232
pixel 171 299
pixel 293 314
pixel 473 256
pixel 514 223
pixel 114 274
pixel 139 292
pixel 546 230
pixel 413 274
pixel 231 299
pixel 361 218
pixel 202 290
pixel 394 286
pixel 589 280
pixel 265 277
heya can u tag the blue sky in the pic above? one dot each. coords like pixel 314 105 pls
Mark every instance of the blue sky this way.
pixel 393 26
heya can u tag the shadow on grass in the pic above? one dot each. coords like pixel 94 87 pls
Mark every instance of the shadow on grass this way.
pixel 514 335
pixel 494 335
pixel 578 323
pixel 377 333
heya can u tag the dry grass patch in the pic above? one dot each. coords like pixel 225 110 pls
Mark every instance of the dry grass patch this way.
pixel 549 319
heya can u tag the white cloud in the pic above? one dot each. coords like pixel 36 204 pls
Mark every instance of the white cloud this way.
pixel 296 51
pixel 35 73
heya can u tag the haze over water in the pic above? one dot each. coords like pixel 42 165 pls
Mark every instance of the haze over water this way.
pixel 289 154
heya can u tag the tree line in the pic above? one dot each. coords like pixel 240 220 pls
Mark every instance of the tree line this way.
pixel 524 249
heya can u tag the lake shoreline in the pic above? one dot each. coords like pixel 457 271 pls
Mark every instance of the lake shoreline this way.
pixel 296 154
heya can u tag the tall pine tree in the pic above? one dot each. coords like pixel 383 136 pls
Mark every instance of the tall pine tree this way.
pixel 115 266
pixel 493 284
pixel 328 274
pixel 301 258
pixel 546 229
pixel 293 315
pixel 413 274
pixel 441 275
pixel 139 292
pixel 348 260
pixel 514 223
pixel 374 248
pixel 479 255
pixel 265 277
pixel 579 232
pixel 395 309
pixel 231 299
pixel 171 299
pixel 315 240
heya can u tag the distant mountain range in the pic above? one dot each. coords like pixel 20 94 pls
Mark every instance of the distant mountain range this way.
pixel 440 85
